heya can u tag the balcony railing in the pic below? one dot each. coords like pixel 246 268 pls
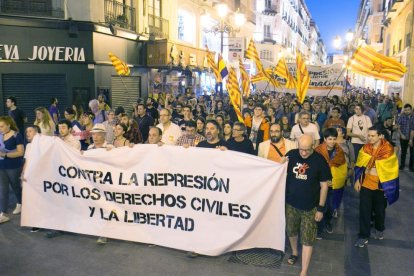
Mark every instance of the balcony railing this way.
pixel 158 27
pixel 37 8
pixel 120 15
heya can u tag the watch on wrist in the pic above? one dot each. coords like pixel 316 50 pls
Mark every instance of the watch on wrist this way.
pixel 320 208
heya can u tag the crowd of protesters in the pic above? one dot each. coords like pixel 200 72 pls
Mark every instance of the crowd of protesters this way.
pixel 326 132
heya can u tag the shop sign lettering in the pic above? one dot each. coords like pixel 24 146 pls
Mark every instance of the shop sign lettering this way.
pixel 43 53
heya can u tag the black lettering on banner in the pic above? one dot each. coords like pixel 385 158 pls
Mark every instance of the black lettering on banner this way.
pixel 92 211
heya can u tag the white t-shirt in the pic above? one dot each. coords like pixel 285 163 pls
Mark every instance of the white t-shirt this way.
pixel 359 125
pixel 310 129
pixel 72 141
pixel 171 134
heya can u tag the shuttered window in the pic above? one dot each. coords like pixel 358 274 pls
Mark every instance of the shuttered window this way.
pixel 35 90
pixel 125 91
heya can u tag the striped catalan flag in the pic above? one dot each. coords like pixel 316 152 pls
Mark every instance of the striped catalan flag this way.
pixel 283 71
pixel 366 61
pixel 258 77
pixel 302 78
pixel 222 67
pixel 212 64
pixel 234 93
pixel 251 53
pixel 245 79
pixel 121 67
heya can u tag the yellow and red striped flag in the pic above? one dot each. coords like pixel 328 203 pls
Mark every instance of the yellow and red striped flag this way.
pixel 234 93
pixel 258 77
pixel 283 71
pixel 121 67
pixel 302 78
pixel 245 79
pixel 366 61
pixel 251 53
pixel 212 64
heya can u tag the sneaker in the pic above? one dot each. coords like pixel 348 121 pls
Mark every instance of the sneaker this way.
pixel 379 235
pixel 53 234
pixel 102 240
pixel 4 218
pixel 18 209
pixel 361 242
pixel 320 236
pixel 328 228
pixel 34 230
pixel 335 213
pixel 192 254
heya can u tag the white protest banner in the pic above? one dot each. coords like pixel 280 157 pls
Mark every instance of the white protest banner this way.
pixel 203 200
pixel 323 79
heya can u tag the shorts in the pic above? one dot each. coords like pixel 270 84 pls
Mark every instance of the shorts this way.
pixel 303 221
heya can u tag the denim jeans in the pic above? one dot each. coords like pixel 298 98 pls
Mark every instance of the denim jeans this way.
pixel 9 177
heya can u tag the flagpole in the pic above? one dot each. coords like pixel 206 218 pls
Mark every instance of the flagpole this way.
pixel 333 85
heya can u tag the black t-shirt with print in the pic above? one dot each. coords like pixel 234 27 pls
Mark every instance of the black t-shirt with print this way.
pixel 303 179
pixel 205 144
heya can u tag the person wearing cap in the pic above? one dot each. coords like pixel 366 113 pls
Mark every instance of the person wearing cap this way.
pixel 170 131
pixel 190 138
pixel 98 136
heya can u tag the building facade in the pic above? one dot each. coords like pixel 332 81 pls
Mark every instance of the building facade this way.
pixel 398 37
pixel 284 27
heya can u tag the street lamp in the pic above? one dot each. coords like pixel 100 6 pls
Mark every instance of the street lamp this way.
pixel 222 27
pixel 347 49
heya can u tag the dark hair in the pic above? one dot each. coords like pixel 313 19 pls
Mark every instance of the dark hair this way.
pixel 337 109
pixel 216 124
pixel 65 122
pixel 53 100
pixel 89 114
pixel 220 115
pixel 241 125
pixel 260 106
pixel 191 123
pixel 330 132
pixel 201 119
pixel 376 128
pixel 70 111
pixel 228 122
pixel 124 127
pixel 360 106
pixel 157 128
pixel 12 99
pixel 119 110
pixel 36 128
pixel 408 106
pixel 143 105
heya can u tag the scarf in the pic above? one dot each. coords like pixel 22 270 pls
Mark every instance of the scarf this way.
pixel 338 155
pixel 385 150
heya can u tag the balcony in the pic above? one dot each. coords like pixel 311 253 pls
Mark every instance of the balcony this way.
pixel 158 27
pixel 36 8
pixel 270 10
pixel 120 15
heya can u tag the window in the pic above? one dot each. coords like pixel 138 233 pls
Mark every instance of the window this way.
pixel 266 32
pixel 154 7
pixel 266 55
pixel 186 23
pixel 268 4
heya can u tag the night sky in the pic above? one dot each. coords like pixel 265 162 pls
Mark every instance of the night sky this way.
pixel 333 17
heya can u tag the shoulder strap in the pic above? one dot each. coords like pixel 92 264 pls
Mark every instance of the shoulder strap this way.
pixel 278 150
pixel 301 130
